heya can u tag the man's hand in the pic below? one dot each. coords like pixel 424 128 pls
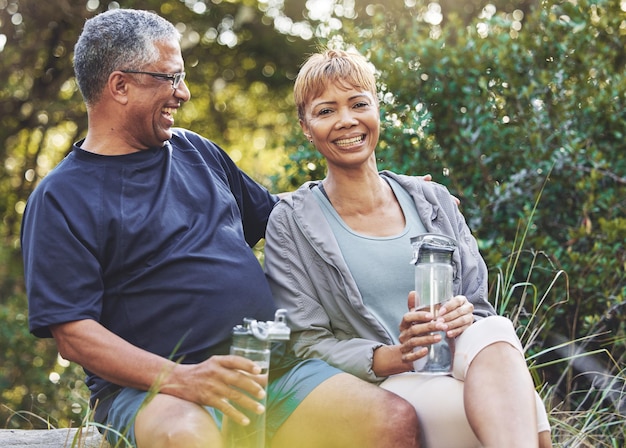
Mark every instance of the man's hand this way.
pixel 428 178
pixel 222 382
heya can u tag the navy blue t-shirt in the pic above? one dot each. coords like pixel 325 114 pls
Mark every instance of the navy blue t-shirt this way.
pixel 154 245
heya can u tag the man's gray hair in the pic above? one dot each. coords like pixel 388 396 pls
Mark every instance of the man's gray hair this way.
pixel 119 39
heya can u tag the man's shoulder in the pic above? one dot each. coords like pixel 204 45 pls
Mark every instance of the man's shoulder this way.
pixel 187 140
pixel 184 133
pixel 181 135
pixel 64 174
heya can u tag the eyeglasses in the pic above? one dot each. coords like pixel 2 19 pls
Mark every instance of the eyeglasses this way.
pixel 176 78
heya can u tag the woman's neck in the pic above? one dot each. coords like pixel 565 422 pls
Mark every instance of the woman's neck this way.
pixel 366 203
pixel 356 190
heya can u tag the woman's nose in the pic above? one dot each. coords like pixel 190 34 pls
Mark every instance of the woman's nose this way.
pixel 346 118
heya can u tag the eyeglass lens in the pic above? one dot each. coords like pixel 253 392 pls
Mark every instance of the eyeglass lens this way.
pixel 178 78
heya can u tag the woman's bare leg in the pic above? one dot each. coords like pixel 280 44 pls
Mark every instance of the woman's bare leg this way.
pixel 346 412
pixel 499 398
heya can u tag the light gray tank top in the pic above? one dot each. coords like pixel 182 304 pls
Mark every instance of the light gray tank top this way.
pixel 380 265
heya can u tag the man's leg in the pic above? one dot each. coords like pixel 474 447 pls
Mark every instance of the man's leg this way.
pixel 167 421
pixel 346 412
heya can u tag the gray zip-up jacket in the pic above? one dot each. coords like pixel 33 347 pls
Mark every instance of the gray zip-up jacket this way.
pixel 310 278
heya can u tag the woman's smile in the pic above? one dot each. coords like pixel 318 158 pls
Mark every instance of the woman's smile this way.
pixel 352 141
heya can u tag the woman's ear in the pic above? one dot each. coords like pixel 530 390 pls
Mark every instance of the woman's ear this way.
pixel 306 131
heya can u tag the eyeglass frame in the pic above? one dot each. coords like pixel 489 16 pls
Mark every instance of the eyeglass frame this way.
pixel 176 78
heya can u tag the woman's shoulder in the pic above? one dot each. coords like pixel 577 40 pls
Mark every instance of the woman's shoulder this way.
pixel 413 183
pixel 299 206
pixel 299 196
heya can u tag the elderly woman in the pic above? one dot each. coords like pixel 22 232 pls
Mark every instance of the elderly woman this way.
pixel 337 257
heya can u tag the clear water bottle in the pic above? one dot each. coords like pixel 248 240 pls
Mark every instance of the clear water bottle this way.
pixel 432 256
pixel 253 340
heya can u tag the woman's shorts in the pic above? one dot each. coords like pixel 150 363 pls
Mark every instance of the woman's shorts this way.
pixel 439 399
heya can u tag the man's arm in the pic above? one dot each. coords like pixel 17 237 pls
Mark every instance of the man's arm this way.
pixel 98 350
pixel 215 382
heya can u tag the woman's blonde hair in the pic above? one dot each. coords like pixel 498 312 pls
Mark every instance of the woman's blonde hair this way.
pixel 332 66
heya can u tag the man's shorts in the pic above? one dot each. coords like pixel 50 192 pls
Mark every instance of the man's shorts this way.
pixel 284 394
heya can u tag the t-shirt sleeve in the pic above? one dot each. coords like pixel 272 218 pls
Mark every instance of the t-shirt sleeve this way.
pixel 254 201
pixel 62 275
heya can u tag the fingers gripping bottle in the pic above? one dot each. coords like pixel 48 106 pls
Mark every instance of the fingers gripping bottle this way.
pixel 253 341
pixel 432 256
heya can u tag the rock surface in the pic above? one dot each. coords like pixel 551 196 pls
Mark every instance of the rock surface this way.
pixel 52 438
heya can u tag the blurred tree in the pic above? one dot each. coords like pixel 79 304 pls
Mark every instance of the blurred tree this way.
pixel 241 99
pixel 502 107
pixel 40 115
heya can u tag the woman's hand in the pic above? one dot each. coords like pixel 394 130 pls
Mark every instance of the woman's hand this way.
pixel 457 313
pixel 418 330
pixel 417 327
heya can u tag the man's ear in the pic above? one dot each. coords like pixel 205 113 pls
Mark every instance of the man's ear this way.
pixel 117 86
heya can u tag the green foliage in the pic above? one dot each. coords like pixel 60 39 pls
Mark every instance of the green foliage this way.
pixel 240 99
pixel 518 107
pixel 500 107
pixel 38 390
